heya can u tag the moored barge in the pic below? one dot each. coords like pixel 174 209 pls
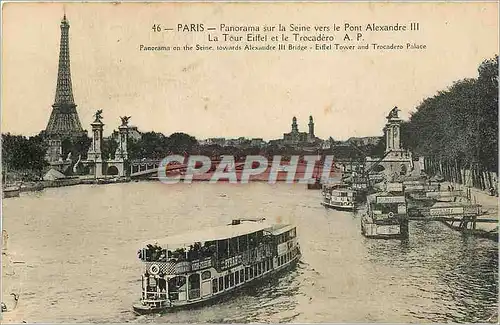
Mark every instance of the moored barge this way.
pixel 386 215
pixel 338 196
pixel 11 191
pixel 198 267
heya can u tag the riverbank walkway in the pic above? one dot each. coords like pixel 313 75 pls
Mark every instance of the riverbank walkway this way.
pixel 489 204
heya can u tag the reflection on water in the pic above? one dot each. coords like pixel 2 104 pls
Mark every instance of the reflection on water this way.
pixel 79 246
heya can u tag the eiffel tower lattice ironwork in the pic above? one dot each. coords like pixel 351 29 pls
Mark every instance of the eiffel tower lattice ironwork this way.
pixel 64 120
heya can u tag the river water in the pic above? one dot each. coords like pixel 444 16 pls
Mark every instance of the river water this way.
pixel 71 256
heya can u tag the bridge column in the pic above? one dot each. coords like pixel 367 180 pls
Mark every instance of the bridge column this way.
pixel 122 150
pixel 95 154
pixel 392 131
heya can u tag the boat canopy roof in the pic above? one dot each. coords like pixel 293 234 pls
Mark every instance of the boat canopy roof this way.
pixel 278 229
pixel 337 186
pixel 385 198
pixel 210 234
pixel 373 197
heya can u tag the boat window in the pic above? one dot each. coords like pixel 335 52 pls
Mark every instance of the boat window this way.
pixel 221 284
pixel 237 277
pixel 222 249
pixel 233 246
pixel 260 234
pixel 259 268
pixel 243 243
pixel 194 252
pixel 251 272
pixel 255 270
pixel 175 285
pixel 226 281
pixel 247 273
pixel 206 275
pixel 215 285
pixel 231 279
pixel 252 240
pixel 242 276
pixel 194 286
pixel 179 254
pixel 194 281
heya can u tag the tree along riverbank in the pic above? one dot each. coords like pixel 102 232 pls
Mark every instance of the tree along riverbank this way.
pixel 457 130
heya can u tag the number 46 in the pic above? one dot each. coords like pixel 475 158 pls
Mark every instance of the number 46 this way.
pixel 156 28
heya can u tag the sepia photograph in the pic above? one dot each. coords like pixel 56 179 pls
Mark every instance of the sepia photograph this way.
pixel 249 162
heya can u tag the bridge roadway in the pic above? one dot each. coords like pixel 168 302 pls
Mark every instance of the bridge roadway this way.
pixel 140 168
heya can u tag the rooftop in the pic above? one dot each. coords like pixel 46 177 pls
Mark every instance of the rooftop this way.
pixel 213 233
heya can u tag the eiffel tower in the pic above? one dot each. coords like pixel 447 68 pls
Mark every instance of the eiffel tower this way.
pixel 64 121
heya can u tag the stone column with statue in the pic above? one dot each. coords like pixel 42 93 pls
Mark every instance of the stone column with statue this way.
pixel 392 131
pixel 95 152
pixel 122 150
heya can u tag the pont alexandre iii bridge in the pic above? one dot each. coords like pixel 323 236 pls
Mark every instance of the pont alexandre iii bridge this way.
pixel 148 168
pixel 395 159
pixel 122 166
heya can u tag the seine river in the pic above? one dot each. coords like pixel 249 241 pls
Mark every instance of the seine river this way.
pixel 72 258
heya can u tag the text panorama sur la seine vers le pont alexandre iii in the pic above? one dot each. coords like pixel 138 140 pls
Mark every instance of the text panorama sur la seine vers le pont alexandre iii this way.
pixel 344 37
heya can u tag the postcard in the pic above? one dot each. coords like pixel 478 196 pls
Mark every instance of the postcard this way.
pixel 249 162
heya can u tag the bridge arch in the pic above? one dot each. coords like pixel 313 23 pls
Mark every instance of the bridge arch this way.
pixel 379 168
pixel 112 170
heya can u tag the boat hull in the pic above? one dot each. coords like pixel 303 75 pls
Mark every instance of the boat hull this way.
pixel 8 193
pixel 382 231
pixel 315 186
pixel 338 207
pixel 141 309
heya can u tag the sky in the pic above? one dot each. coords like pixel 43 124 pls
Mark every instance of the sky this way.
pixel 232 94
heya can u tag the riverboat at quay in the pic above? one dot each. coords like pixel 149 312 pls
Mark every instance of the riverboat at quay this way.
pixel 198 267
pixel 420 186
pixel 386 214
pixel 316 185
pixel 11 191
pixel 338 196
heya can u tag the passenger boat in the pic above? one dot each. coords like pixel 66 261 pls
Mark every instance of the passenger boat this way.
pixel 197 267
pixel 338 196
pixel 11 191
pixel 360 183
pixel 316 185
pixel 386 215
